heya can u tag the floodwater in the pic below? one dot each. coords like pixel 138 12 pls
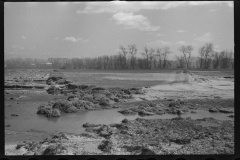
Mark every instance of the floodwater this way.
pixel 72 122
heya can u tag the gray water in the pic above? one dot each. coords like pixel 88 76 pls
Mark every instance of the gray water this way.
pixel 72 122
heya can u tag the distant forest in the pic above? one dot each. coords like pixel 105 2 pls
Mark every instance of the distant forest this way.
pixel 151 58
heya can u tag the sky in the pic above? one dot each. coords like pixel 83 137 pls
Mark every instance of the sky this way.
pixel 91 29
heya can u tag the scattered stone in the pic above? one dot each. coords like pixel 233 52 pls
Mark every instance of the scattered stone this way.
pixel 231 116
pixel 213 110
pixel 125 120
pixel 106 145
pixel 224 110
pixel 145 113
pixel 217 97
pixel 91 125
pixel 147 151
pixel 14 115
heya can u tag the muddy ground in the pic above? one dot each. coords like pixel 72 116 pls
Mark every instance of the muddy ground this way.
pixel 201 91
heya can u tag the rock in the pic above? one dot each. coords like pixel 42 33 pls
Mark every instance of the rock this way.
pixel 147 151
pixel 125 120
pixel 98 88
pixel 174 104
pixel 14 115
pixel 7 125
pixel 64 106
pixel 145 113
pixel 72 98
pixel 181 140
pixel 54 90
pixel 213 110
pixel 29 153
pixel 54 113
pixel 91 125
pixel 72 86
pixel 224 110
pixel 179 112
pixel 231 116
pixel 50 150
pixel 91 130
pixel 116 99
pixel 106 145
pixel 217 97
pixel 42 109
pixel 128 111
pixel 193 112
pixel 87 97
pixel 82 105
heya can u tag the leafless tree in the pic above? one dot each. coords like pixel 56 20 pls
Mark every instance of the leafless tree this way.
pixel 159 56
pixel 166 51
pixel 180 60
pixel 124 57
pixel 132 49
pixel 186 50
pixel 206 53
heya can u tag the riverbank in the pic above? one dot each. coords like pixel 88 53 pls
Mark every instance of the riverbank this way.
pixel 168 104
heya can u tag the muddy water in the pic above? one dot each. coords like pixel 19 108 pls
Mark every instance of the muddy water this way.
pixel 28 119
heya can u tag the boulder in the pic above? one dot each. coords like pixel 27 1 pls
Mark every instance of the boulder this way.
pixel 175 104
pixel 72 86
pixel 213 110
pixel 65 106
pixel 87 97
pixel 125 120
pixel 91 125
pixel 106 145
pixel 54 90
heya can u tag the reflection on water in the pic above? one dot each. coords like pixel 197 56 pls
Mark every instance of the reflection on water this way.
pixel 73 122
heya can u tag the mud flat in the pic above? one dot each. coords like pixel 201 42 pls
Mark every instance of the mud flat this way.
pixel 141 137
pixel 180 97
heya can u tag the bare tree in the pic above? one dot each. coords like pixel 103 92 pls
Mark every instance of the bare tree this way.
pixel 180 60
pixel 124 56
pixel 159 56
pixel 186 50
pixel 151 58
pixel 206 53
pixel 146 55
pixel 216 60
pixel 166 51
pixel 132 51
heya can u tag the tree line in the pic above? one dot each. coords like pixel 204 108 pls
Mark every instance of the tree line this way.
pixel 151 58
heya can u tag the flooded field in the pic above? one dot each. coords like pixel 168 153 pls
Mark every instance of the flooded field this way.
pixel 106 94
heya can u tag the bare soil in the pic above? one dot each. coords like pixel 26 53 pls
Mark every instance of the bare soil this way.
pixel 197 90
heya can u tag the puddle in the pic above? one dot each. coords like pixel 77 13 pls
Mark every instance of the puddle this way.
pixel 73 122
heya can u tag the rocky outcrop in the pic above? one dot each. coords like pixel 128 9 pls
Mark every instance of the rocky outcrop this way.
pixel 145 109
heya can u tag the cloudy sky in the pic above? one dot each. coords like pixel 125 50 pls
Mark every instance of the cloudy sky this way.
pixel 90 29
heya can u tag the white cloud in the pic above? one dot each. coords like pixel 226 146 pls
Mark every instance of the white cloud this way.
pixel 181 42
pixel 124 6
pixel 159 43
pixel 181 31
pixel 131 21
pixel 205 38
pixel 160 35
pixel 72 39
pixel 23 37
